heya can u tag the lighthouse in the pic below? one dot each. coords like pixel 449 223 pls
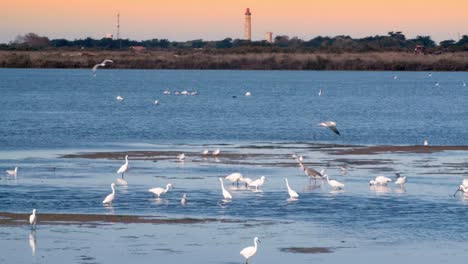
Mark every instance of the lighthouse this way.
pixel 247 25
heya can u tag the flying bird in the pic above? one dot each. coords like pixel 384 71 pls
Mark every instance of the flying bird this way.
pixel 102 64
pixel 331 125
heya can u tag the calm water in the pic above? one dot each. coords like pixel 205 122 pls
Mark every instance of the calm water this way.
pixel 47 113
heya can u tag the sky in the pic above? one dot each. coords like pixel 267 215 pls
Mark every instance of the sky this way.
pixel 217 19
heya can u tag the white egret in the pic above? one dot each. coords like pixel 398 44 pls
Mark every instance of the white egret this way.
pixel 248 252
pixel 159 191
pixel 205 152
pixel 320 92
pixel 331 125
pixel 184 92
pixel 119 98
pixel 156 102
pixel 234 177
pixel 395 77
pixel 181 157
pixel 334 183
pixel 124 167
pixel 226 194
pixel 216 152
pixel 401 181
pixel 426 142
pixel 258 183
pixel 102 64
pixel 248 94
pixel 380 180
pixel 436 83
pixel 184 199
pixel 110 197
pixel 194 93
pixel 12 172
pixel 166 92
pixel 464 84
pixel 463 188
pixel 292 194
pixel 33 219
pixel 246 181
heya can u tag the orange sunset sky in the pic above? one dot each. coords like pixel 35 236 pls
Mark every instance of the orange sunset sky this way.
pixel 217 19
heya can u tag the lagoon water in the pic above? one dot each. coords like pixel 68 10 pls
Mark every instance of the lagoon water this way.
pixel 46 114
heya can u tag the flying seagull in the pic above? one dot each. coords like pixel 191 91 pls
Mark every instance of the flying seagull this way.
pixel 331 125
pixel 102 64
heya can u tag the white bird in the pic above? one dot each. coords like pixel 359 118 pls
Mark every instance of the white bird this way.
pixel 258 183
pixel 110 197
pixel 248 94
pixel 331 125
pixel 380 180
pixel 205 152
pixel 226 194
pixel 184 199
pixel 181 157
pixel 33 219
pixel 166 92
pixel 102 64
pixel 395 77
pixel 176 93
pixel 216 152
pixel 292 194
pixel 430 75
pixel 124 167
pixel 246 181
pixel 156 102
pixel 234 177
pixel 464 84
pixel 119 98
pixel 159 191
pixel 426 142
pixel 401 180
pixel 436 84
pixel 184 92
pixel 320 92
pixel 462 188
pixel 12 172
pixel 334 183
pixel 194 93
pixel 248 252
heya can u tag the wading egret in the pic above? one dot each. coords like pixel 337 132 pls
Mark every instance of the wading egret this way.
pixel 181 157
pixel 234 177
pixel 124 167
pixel 226 194
pixel 184 199
pixel 12 172
pixel 216 152
pixel 110 197
pixel 33 219
pixel 401 180
pixel 258 183
pixel 292 194
pixel 248 252
pixel 380 180
pixel 159 191
pixel 334 183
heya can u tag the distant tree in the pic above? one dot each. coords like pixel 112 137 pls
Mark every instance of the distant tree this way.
pixel 197 43
pixel 224 44
pixel 425 41
pixel 447 43
pixel 32 40
pixel 282 40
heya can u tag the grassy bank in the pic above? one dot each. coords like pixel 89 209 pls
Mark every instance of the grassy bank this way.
pixel 205 59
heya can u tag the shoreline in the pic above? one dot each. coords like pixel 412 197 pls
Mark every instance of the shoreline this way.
pixel 211 60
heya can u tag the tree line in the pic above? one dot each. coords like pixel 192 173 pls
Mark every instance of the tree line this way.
pixel 394 41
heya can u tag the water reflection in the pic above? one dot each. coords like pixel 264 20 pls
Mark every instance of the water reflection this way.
pixel 32 242
pixel 400 189
pixel 380 188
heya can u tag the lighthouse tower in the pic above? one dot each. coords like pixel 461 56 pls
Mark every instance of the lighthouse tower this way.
pixel 247 25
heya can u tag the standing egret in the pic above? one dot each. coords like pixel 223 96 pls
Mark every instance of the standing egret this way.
pixel 320 92
pixel 181 157
pixel 380 180
pixel 102 64
pixel 334 183
pixel 248 252
pixel 258 183
pixel 216 152
pixel 205 152
pixel 12 172
pixel 331 125
pixel 184 199
pixel 226 194
pixel 33 219
pixel 159 191
pixel 248 94
pixel 110 197
pixel 463 188
pixel 156 102
pixel 124 167
pixel 292 194
pixel 401 181
pixel 234 177
pixel 426 142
